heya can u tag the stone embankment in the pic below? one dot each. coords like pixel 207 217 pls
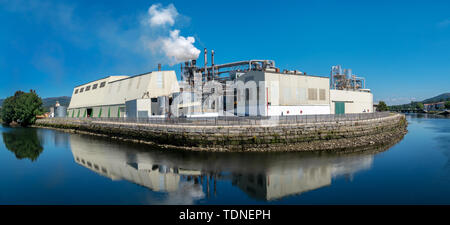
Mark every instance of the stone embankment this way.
pixel 337 135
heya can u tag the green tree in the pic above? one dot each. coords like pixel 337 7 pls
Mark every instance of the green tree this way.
pixel 419 105
pixel 8 112
pixel 22 108
pixel 447 104
pixel 382 106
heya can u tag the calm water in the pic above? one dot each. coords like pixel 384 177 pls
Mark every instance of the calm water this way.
pixel 41 166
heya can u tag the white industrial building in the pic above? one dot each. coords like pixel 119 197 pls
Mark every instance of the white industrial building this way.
pixel 283 94
pixel 245 88
pixel 109 96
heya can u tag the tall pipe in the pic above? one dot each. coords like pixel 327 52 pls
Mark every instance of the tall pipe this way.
pixel 212 63
pixel 206 62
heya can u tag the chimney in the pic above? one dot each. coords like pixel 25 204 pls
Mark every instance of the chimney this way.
pixel 159 66
pixel 212 63
pixel 206 61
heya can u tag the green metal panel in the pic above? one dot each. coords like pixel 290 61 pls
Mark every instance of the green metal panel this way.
pixel 78 115
pixel 73 112
pixel 100 112
pixel 339 108
pixel 109 112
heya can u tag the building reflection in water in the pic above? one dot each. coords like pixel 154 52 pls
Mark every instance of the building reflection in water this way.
pixel 263 176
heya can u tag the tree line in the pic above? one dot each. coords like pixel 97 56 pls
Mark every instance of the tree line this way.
pixel 417 106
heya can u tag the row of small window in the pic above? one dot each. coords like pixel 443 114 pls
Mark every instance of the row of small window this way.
pixel 89 87
pixel 89 164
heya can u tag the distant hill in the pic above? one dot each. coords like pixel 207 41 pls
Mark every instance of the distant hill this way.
pixel 417 104
pixel 441 97
pixel 49 102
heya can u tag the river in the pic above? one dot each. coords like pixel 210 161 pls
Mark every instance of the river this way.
pixel 44 166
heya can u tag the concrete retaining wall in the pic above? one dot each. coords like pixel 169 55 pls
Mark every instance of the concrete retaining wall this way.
pixel 283 137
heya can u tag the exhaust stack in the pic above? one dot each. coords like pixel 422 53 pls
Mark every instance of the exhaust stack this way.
pixel 206 63
pixel 212 64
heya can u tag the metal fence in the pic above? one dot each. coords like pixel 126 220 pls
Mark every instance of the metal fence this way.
pixel 235 120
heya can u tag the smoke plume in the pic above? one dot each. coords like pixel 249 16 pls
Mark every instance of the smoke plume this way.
pixel 161 16
pixel 174 48
pixel 178 48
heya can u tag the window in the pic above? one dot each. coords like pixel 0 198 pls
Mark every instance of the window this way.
pixel 81 90
pixel 154 100
pixel 76 91
pixel 88 88
pixel 102 84
pixel 321 94
pixel 95 86
pixel 312 93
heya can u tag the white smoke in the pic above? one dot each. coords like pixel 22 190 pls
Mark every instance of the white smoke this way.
pixel 178 48
pixel 160 16
pixel 175 48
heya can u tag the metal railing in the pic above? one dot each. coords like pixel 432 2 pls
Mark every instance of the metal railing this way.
pixel 235 120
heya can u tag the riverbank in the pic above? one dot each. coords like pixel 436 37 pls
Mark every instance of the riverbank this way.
pixel 328 136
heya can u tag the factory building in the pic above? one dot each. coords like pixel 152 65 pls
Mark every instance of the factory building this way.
pixel 243 88
pixel 108 97
pixel 289 93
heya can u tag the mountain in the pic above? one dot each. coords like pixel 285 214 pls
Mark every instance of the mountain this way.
pixel 441 97
pixel 49 102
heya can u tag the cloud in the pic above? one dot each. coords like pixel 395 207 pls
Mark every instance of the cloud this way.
pixel 160 16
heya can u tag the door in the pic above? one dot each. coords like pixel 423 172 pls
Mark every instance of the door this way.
pixel 89 112
pixel 339 108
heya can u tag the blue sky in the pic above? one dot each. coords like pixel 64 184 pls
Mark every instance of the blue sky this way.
pixel 402 48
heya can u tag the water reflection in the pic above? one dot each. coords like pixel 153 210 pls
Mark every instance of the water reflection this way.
pixel 24 143
pixel 189 176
